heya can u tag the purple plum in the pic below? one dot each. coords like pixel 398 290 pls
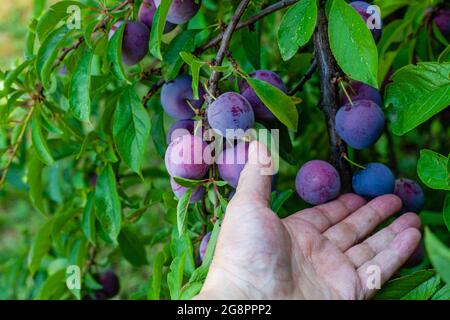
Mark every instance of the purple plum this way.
pixel 442 20
pixel 134 42
pixel 416 258
pixel 232 112
pixel 362 8
pixel 181 128
pixel 411 194
pixel 317 182
pixel 147 12
pixel 204 246
pixel 373 181
pixel 185 157
pixel 179 191
pixel 181 11
pixel 360 125
pixel 259 108
pixel 174 97
pixel 360 91
pixel 110 285
pixel 231 162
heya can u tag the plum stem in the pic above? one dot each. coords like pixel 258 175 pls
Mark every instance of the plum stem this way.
pixel 341 84
pixel 352 162
pixel 329 73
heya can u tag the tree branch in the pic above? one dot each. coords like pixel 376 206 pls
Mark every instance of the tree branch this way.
pixel 329 74
pixel 308 75
pixel 264 12
pixel 221 53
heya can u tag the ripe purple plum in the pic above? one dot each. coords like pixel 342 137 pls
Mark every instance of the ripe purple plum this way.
pixel 134 42
pixel 231 162
pixel 259 108
pixel 360 125
pixel 181 128
pixel 197 194
pixel 185 157
pixel 411 194
pixel 317 182
pixel 110 285
pixel 181 11
pixel 203 246
pixel 442 20
pixel 176 96
pixel 373 181
pixel 232 112
pixel 147 12
pixel 361 91
pixel 362 8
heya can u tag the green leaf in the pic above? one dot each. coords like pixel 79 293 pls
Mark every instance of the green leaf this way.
pixel 80 88
pixel 195 65
pixel 107 203
pixel 157 30
pixel 48 52
pixel 13 75
pixel 439 255
pixel 442 294
pixel 157 132
pixel 251 41
pixel 132 247
pixel 352 43
pixel 191 290
pixel 417 93
pixel 172 64
pixel 188 183
pixel 175 276
pixel 114 53
pixel 277 101
pixel 397 288
pixel 154 292
pixel 182 210
pixel 277 199
pixel 88 218
pixel 55 283
pixel 40 246
pixel 39 142
pixel 131 129
pixel 432 170
pixel 53 16
pixel 446 212
pixel 297 27
pixel 424 291
pixel 34 176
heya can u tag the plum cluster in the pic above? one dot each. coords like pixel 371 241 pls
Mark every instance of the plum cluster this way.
pixel 230 115
pixel 137 33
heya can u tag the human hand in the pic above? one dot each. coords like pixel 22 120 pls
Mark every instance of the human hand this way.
pixel 318 253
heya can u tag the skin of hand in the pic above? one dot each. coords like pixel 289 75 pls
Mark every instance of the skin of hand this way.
pixel 319 253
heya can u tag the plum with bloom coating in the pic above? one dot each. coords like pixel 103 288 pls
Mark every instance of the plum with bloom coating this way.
pixel 180 128
pixel 259 108
pixel 411 194
pixel 373 181
pixel 360 125
pixel 361 91
pixel 231 162
pixel 146 14
pixel 181 11
pixel 232 112
pixel 176 96
pixel 317 182
pixel 185 157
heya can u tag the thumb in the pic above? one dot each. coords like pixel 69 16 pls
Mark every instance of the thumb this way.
pixel 255 182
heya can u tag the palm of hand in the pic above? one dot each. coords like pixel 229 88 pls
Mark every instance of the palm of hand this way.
pixel 316 253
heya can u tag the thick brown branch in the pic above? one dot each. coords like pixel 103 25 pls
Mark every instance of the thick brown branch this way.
pixel 329 73
pixel 220 56
pixel 265 12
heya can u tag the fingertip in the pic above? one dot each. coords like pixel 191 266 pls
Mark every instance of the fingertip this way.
pixel 406 242
pixel 407 220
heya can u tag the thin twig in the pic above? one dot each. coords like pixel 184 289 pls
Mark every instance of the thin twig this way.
pixel 152 91
pixel 308 75
pixel 264 12
pixel 221 53
pixel 16 146
pixel 329 74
